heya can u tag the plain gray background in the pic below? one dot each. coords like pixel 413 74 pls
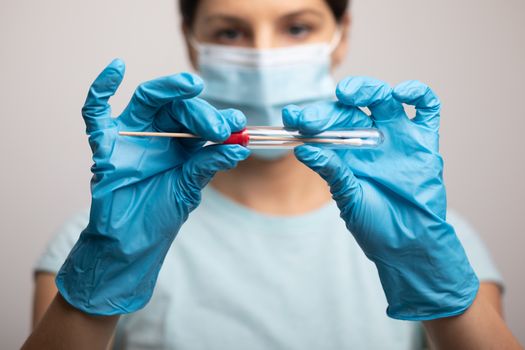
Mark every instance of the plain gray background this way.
pixel 472 52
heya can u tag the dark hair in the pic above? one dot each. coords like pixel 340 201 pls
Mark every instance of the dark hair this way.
pixel 188 8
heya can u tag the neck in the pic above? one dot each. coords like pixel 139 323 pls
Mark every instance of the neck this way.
pixel 279 187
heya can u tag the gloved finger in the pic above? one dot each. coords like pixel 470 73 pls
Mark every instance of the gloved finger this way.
pixel 344 186
pixel 322 116
pixel 198 117
pixel 167 120
pixel 421 96
pixel 374 94
pixel 96 110
pixel 202 166
pixel 151 96
pixel 235 118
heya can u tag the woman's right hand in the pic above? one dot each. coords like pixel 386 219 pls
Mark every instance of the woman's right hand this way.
pixel 142 188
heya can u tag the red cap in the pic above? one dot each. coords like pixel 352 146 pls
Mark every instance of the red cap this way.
pixel 238 138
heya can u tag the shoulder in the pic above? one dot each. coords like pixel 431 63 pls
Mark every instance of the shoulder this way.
pixel 62 242
pixel 467 234
pixel 477 252
pixel 460 223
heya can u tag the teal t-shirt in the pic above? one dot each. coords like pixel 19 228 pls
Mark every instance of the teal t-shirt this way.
pixel 238 279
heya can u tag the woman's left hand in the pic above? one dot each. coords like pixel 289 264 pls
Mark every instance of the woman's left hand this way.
pixel 392 198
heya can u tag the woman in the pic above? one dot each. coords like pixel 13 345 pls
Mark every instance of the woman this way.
pixel 264 261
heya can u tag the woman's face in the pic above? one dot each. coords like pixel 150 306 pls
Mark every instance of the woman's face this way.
pixel 264 24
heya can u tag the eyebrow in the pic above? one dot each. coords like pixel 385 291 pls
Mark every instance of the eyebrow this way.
pixel 303 12
pixel 240 20
pixel 225 18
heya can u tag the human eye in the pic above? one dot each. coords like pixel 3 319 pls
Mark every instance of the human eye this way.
pixel 298 30
pixel 228 35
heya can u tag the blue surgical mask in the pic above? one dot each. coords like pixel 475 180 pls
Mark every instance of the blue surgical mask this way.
pixel 261 82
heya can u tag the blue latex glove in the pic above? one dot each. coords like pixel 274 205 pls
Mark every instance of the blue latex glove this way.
pixel 142 188
pixel 393 198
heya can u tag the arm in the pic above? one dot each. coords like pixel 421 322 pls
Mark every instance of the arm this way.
pixel 481 326
pixel 393 201
pixel 64 327
pixel 44 295
pixel 142 192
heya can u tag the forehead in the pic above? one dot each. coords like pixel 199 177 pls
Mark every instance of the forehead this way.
pixel 254 10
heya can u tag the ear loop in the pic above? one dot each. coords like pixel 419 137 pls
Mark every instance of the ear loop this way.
pixel 336 40
pixel 194 44
pixel 198 47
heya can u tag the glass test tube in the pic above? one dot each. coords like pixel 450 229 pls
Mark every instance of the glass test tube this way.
pixel 264 137
pixel 268 137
